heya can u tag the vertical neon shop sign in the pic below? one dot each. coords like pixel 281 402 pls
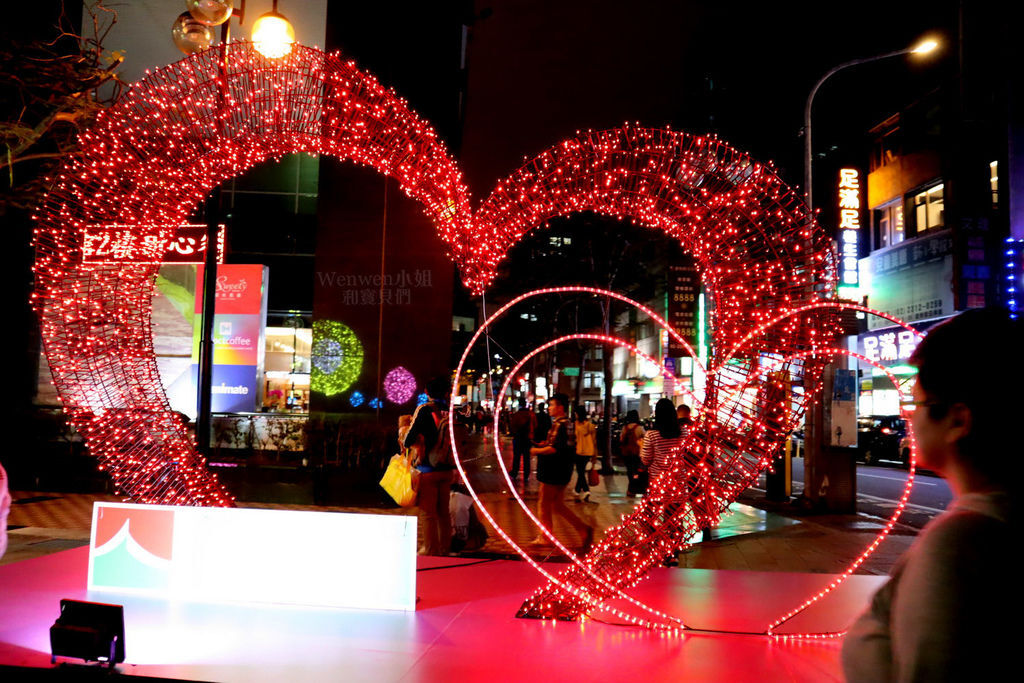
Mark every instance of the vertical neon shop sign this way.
pixel 849 226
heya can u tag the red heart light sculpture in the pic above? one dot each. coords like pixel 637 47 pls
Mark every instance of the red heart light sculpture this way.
pixel 705 478
pixel 190 126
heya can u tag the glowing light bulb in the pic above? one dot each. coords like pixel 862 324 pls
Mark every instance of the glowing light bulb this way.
pixel 273 35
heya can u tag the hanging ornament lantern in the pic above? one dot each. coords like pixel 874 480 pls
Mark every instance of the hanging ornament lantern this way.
pixel 189 35
pixel 210 12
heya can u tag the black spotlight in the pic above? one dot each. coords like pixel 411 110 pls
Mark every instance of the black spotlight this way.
pixel 92 631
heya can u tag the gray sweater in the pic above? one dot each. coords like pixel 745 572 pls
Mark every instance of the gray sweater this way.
pixel 951 609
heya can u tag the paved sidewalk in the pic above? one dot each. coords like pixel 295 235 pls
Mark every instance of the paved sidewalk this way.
pixel 746 539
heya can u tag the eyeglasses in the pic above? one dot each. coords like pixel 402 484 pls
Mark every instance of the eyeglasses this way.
pixel 908 406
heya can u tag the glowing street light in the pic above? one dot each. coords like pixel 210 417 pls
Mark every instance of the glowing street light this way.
pixel 925 47
pixel 815 429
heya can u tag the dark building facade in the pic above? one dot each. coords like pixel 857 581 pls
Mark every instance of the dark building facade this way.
pixel 942 202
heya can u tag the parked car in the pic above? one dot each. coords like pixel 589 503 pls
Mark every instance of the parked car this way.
pixel 879 438
pixel 796 438
pixel 905 457
pixel 905 450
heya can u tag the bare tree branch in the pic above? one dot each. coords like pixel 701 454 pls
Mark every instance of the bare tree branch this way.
pixel 50 90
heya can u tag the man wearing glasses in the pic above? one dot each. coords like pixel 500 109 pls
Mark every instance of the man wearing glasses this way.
pixel 950 610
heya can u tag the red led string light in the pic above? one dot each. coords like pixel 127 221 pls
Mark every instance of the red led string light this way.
pixel 882 535
pixel 667 620
pixel 591 602
pixel 190 126
pixel 663 621
pixel 759 253
pixel 148 161
pixel 663 487
pixel 908 487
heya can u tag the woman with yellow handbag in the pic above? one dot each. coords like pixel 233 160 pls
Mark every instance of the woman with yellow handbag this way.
pixel 401 480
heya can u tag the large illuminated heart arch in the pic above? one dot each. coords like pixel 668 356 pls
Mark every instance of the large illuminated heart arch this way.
pixel 146 164
pixel 189 127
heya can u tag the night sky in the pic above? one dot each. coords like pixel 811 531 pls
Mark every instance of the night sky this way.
pixel 538 70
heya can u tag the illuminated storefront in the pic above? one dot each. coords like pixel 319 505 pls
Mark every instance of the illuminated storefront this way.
pixel 287 369
pixel 912 280
pixel 892 348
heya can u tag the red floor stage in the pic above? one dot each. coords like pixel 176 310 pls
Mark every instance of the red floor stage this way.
pixel 464 629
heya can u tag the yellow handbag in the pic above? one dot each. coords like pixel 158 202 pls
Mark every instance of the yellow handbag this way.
pixel 398 481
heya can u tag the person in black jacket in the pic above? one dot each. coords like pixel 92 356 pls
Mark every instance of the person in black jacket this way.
pixel 543 424
pixel 555 459
pixel 523 424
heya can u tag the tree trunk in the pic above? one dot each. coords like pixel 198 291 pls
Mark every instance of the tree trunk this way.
pixel 606 356
pixel 579 378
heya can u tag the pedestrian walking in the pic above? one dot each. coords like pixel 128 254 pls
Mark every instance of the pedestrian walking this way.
pixel 683 417
pixel 630 440
pixel 661 445
pixel 554 470
pixel 543 424
pixel 523 424
pixel 586 452
pixel 479 419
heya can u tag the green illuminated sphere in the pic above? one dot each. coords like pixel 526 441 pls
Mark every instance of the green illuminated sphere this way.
pixel 337 357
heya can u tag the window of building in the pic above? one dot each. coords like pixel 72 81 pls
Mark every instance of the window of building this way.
pixel 993 181
pixel 888 224
pixel 885 149
pixel 929 209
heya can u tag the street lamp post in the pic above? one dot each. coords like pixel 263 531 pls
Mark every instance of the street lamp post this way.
pixel 923 48
pixel 815 434
pixel 273 37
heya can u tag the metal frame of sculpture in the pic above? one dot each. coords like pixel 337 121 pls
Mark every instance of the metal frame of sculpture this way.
pixel 190 126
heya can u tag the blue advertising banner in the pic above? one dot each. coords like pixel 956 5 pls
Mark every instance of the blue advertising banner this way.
pixel 235 387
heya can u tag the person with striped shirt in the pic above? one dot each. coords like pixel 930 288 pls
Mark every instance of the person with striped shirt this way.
pixel 661 444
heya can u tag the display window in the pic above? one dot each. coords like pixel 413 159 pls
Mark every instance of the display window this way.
pixel 286 369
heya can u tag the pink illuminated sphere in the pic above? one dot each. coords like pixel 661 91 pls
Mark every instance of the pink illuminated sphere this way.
pixel 399 385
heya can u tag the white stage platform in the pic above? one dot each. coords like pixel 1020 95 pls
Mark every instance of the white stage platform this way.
pixel 464 629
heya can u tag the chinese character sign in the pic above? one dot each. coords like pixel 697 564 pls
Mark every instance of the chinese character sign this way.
pixel 889 347
pixel 129 244
pixel 683 305
pixel 849 199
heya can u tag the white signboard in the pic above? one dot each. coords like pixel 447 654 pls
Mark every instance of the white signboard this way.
pixel 912 280
pixel 325 559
